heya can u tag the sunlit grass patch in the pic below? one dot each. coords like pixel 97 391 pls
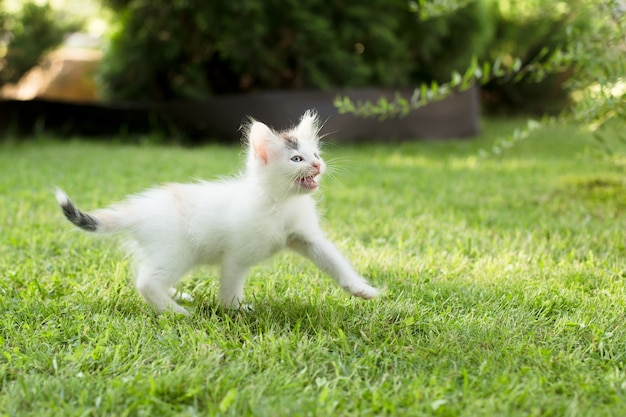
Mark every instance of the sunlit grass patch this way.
pixel 503 284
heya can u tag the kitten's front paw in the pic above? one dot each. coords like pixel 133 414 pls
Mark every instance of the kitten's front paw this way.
pixel 235 304
pixel 367 292
pixel 243 308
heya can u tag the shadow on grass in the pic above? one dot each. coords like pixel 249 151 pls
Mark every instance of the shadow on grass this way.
pixel 286 314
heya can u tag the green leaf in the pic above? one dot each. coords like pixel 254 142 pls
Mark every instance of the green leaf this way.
pixel 486 73
pixel 456 79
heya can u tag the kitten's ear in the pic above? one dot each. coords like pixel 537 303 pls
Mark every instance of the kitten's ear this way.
pixel 261 138
pixel 308 128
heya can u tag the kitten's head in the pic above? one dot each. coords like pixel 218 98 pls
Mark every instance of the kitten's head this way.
pixel 288 161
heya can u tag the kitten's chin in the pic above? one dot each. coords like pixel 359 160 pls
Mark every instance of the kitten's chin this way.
pixel 307 183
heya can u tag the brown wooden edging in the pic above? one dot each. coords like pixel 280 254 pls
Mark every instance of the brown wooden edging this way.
pixel 219 118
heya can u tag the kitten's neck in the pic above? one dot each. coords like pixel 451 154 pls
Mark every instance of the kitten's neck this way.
pixel 269 191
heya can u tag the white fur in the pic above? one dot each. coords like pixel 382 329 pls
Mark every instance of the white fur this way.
pixel 235 223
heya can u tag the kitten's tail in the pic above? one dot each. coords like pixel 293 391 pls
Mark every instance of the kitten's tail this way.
pixel 101 221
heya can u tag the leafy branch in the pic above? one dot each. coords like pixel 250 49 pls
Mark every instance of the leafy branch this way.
pixel 597 84
pixel 545 63
pixel 432 9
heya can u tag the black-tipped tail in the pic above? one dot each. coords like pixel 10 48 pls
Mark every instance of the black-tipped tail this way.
pixel 74 215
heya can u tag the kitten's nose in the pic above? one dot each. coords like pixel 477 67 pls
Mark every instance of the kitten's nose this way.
pixel 317 167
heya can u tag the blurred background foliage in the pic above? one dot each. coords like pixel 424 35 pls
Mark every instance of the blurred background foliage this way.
pixel 26 34
pixel 532 30
pixel 226 47
pixel 192 49
pixel 195 49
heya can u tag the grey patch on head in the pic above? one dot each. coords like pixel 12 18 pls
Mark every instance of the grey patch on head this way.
pixel 290 141
pixel 78 218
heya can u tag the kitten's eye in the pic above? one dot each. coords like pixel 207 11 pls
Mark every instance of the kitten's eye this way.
pixel 297 158
pixel 316 156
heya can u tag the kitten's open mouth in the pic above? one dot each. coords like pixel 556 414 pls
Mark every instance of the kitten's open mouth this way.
pixel 307 182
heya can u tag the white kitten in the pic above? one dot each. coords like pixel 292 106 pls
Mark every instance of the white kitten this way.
pixel 235 223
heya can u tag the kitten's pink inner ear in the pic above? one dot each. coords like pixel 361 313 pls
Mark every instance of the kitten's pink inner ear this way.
pixel 260 137
pixel 261 152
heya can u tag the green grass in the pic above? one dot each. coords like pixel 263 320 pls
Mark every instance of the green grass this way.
pixel 504 286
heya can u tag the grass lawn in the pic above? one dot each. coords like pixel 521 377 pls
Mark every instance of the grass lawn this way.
pixel 504 286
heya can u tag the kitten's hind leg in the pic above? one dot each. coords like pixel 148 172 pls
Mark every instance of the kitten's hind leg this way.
pixel 155 285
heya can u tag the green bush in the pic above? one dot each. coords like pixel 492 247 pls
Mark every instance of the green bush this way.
pixel 532 31
pixel 448 42
pixel 195 49
pixel 31 32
